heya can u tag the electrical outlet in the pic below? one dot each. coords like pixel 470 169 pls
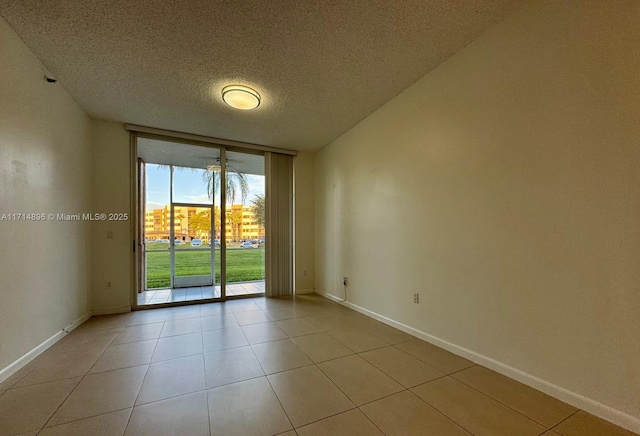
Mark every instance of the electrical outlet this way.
pixel 345 281
pixel 108 284
pixel 305 272
pixel 416 297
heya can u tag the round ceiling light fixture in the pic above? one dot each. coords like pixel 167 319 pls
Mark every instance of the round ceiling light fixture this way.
pixel 241 97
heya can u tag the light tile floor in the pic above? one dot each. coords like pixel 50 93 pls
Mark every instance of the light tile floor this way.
pixel 300 366
pixel 161 296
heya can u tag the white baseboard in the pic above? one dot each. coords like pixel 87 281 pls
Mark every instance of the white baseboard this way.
pixel 629 422
pixel 35 352
pixel 124 309
pixel 305 291
pixel 336 299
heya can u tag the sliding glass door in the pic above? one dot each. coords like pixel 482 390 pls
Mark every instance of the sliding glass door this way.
pixel 192 254
pixel 244 214
pixel 192 217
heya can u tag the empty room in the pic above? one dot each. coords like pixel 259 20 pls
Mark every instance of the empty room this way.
pixel 320 218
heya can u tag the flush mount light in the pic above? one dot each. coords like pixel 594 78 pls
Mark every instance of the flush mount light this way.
pixel 241 97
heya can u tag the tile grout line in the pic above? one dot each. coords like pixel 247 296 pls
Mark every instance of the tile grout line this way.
pixel 337 387
pixel 359 329
pixel 197 391
pixel 439 411
pixel 76 386
pixel 327 417
pixel 289 337
pixel 366 361
pixel 383 397
pixel 427 363
pixel 269 381
pixel 369 419
pixel 175 358
pixel 204 362
pixel 506 405
pixel 87 417
pixel 12 386
pixel 322 372
pixel 393 378
pixel 567 418
pixel 357 407
pixel 145 377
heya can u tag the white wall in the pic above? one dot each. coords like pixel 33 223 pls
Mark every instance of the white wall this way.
pixel 45 167
pixel 111 194
pixel 504 186
pixel 304 219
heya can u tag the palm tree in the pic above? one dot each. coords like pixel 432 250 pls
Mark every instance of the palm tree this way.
pixel 237 182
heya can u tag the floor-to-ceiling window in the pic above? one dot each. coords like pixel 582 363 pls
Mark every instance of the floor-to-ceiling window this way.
pixel 201 227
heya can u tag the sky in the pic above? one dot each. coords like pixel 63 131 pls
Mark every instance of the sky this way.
pixel 189 187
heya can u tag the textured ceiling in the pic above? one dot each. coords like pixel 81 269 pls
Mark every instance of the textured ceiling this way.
pixel 320 66
pixel 191 156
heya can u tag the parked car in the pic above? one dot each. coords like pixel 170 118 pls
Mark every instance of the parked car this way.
pixel 216 243
pixel 196 243
pixel 177 242
pixel 246 244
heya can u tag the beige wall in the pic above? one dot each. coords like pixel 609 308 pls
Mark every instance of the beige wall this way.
pixel 304 222
pixel 45 167
pixel 111 194
pixel 510 177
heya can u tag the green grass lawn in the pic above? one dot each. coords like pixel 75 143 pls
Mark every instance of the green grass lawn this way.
pixel 242 265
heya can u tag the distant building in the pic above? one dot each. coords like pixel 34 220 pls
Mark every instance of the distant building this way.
pixel 241 223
